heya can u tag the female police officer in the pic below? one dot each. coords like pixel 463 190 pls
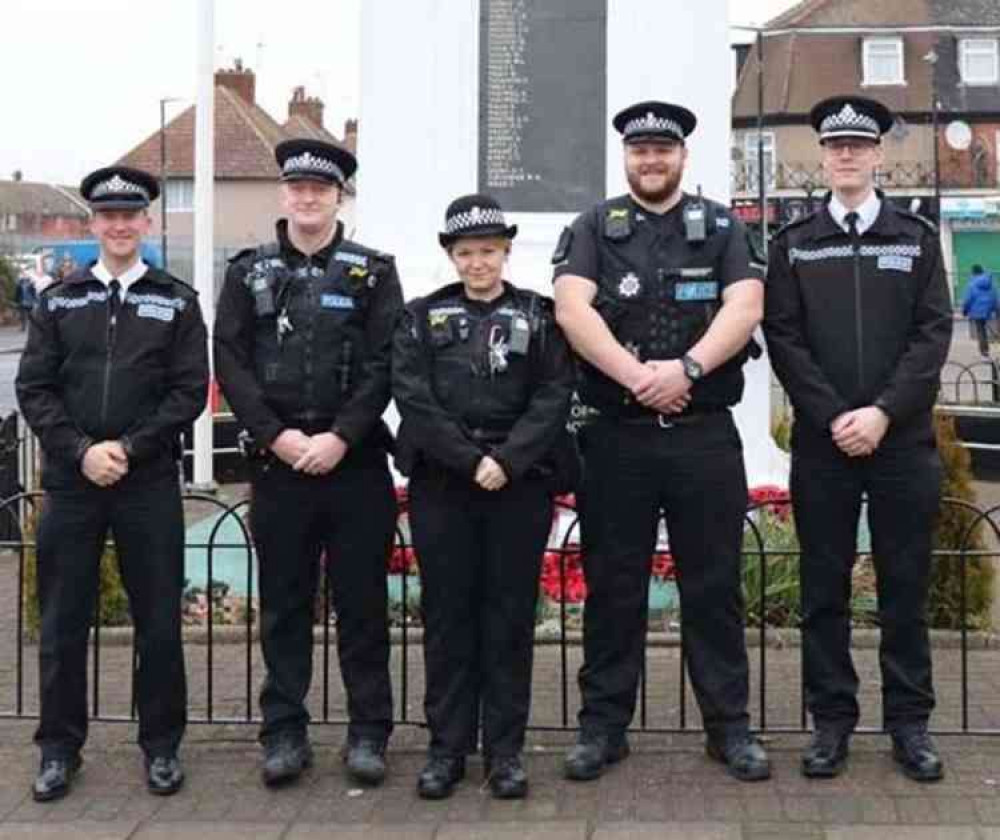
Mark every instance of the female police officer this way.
pixel 482 379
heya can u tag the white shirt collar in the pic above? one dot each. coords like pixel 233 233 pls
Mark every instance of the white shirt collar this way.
pixel 867 211
pixel 100 271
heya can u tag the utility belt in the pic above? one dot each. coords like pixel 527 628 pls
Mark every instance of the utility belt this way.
pixel 669 421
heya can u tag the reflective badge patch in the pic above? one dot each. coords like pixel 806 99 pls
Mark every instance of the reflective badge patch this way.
pixel 352 259
pixel 151 310
pixel 629 286
pixel 336 302
pixel 707 290
pixel 894 263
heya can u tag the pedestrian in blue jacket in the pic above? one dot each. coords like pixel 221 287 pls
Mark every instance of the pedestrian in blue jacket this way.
pixel 980 305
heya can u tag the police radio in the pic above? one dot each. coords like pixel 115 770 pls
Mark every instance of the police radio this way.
pixel 263 295
pixel 695 220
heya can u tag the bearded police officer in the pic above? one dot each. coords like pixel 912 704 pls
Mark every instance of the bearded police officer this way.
pixel 658 295
pixel 302 346
pixel 116 364
pixel 858 326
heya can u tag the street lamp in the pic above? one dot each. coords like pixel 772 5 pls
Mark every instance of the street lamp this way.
pixel 932 59
pixel 163 177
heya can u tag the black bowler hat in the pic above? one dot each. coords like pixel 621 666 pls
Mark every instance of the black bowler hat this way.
pixel 850 116
pixel 474 215
pixel 119 188
pixel 647 121
pixel 314 160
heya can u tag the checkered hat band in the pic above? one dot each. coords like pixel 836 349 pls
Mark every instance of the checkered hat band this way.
pixel 118 186
pixel 309 164
pixel 651 124
pixel 475 218
pixel 847 121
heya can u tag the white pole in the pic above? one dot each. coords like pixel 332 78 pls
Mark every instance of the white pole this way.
pixel 204 233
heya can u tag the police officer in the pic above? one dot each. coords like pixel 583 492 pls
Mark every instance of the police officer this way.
pixel 116 364
pixel 657 293
pixel 858 325
pixel 482 378
pixel 302 346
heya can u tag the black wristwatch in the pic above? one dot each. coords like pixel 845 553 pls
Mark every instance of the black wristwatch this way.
pixel 692 368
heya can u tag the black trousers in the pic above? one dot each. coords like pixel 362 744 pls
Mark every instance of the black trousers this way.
pixel 349 515
pixel 695 474
pixel 903 490
pixel 147 522
pixel 480 556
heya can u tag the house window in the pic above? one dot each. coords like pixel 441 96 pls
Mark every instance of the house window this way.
pixel 883 61
pixel 180 195
pixel 978 61
pixel 751 143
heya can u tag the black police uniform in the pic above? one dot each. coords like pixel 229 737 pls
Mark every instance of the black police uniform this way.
pixel 658 293
pixel 474 378
pixel 101 366
pixel 853 321
pixel 303 342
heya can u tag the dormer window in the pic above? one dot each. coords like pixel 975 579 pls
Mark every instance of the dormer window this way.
pixel 978 61
pixel 883 61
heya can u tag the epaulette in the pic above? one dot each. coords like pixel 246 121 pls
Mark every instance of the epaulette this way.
pixel 927 223
pixel 246 252
pixel 794 223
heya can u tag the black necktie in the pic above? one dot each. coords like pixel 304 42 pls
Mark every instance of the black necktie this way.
pixel 851 219
pixel 114 301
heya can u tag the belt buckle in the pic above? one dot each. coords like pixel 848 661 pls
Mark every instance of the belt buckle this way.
pixel 661 419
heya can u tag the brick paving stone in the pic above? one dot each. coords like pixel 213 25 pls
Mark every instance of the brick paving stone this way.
pixel 513 831
pixel 689 831
pixel 78 831
pixel 381 832
pixel 782 831
pixel 207 831
pixel 802 809
pixel 917 810
pixel 911 832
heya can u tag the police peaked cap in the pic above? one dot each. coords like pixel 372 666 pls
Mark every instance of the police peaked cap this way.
pixel 850 116
pixel 304 159
pixel 119 188
pixel 474 215
pixel 646 121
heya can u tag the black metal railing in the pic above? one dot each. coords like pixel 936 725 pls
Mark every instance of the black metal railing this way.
pixel 229 653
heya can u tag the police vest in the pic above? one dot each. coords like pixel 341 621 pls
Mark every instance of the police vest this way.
pixel 658 296
pixel 309 328
pixel 483 362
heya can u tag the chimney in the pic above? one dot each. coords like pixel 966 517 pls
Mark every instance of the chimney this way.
pixel 18 175
pixel 351 135
pixel 310 107
pixel 239 80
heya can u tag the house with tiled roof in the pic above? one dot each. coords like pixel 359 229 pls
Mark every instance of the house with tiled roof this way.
pixel 246 198
pixel 31 211
pixel 909 54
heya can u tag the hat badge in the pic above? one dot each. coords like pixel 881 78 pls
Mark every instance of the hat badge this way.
pixel 475 214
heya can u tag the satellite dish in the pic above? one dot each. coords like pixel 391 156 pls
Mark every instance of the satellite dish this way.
pixel 900 130
pixel 958 135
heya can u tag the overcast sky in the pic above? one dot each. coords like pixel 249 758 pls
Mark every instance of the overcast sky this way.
pixel 82 79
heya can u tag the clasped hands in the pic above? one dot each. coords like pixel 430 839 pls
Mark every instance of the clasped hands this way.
pixel 858 433
pixel 663 386
pixel 309 454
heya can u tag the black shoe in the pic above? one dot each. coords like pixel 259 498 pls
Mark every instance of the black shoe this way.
pixel 440 775
pixel 592 753
pixel 55 777
pixel 826 755
pixel 285 758
pixel 916 755
pixel 365 761
pixel 164 775
pixel 507 778
pixel 744 756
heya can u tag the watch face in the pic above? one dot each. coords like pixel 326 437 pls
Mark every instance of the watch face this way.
pixel 692 368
